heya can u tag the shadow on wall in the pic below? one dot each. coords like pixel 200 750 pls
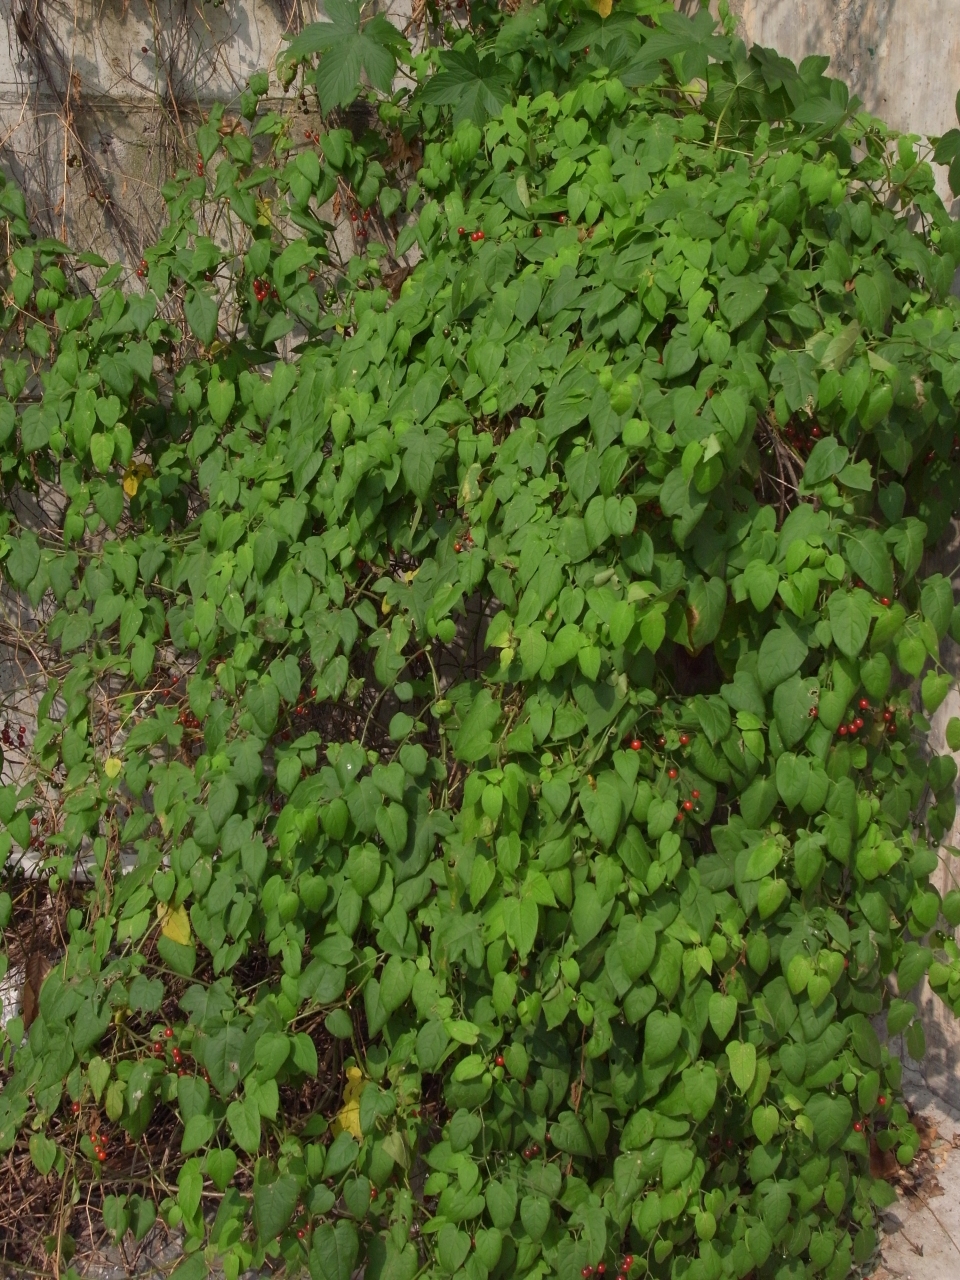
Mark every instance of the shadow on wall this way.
pixel 893 53
pixel 854 34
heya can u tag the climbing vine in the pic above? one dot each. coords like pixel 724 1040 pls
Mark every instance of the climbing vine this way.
pixel 480 773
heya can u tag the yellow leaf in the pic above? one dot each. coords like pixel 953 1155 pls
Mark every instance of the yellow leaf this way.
pixel 604 7
pixel 348 1117
pixel 174 924
pixel 112 766
pixel 134 476
pixel 385 605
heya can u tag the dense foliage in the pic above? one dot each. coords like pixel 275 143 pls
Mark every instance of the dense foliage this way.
pixel 509 696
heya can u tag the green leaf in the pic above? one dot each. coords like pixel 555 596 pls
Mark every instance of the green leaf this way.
pixel 602 807
pixel 793 702
pixel 476 89
pixel 202 311
pixel 363 868
pixel 761 582
pixel 722 1013
pixel 765 1122
pixel 781 653
pixel 661 1034
pixel 743 1063
pixel 700 1089
pixel 243 1120
pixel 849 613
pixel 348 45
pixel 274 1204
pixel 220 397
pixel 43 1152
pixel 221 1165
pixel 588 915
pixel 333 1253
pixel 24 559
pixel 793 778
pixel 831 1118
pixel 741 297
pixel 868 557
pixel 421 453
pixel 934 688
pixel 501 1198
pixel 827 458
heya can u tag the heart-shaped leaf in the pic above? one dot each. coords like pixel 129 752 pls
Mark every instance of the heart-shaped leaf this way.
pixel 765 1122
pixel 743 1063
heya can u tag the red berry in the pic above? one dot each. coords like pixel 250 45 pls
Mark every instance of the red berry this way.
pixel 586 1271
pixel 882 1100
pixel 562 218
pixel 684 739
pixel 672 773
pixel 679 816
pixel 842 731
pixel 888 716
pixel 816 433
pixel 301 1233
pixel 168 1032
pixel 661 741
pixel 628 1262
pixel 601 1268
pixel 461 231
pixel 891 727
pixel 864 704
pixel 537 231
pixel 636 745
pixel 157 1047
pixel 859 723
pixel 688 805
pixel 75 1108
pixel 458 546
pixel 101 1156
pixel 857 1126
pixel 813 713
pixel 527 1153
pixel 500 1060
pixel 884 600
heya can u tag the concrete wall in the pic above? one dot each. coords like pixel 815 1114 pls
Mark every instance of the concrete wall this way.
pixel 98 101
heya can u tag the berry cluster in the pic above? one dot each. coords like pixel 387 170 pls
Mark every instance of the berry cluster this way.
pixel 626 1262
pixel 160 1051
pixel 142 269
pixel 857 722
pixel 467 542
pixel 261 290
pixel 802 441
pixel 199 165
pixel 7 739
pixel 531 1152
pixel 358 219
